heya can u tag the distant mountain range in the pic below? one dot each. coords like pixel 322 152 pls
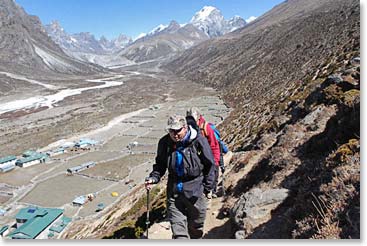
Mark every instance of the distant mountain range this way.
pixel 26 47
pixel 29 45
pixel 85 41
pixel 162 41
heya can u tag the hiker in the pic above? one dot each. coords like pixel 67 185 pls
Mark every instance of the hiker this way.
pixel 190 163
pixel 209 134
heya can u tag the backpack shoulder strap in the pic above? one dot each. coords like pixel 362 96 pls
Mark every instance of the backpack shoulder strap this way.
pixel 203 127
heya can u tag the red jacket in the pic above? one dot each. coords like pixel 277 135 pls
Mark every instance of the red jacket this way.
pixel 210 136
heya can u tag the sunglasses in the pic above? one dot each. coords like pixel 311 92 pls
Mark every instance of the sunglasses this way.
pixel 175 132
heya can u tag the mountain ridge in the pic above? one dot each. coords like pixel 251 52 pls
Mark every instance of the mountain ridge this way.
pixel 26 45
pixel 161 42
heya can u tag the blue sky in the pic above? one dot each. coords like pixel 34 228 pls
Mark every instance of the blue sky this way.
pixel 132 17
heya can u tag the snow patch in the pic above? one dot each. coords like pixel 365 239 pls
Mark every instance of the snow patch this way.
pixel 204 13
pixel 251 18
pixel 158 29
pixel 141 35
pixel 50 100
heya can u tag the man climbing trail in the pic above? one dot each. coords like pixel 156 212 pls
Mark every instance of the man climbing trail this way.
pixel 190 163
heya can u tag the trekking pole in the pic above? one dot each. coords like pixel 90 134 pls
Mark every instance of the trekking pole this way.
pixel 147 222
pixel 223 187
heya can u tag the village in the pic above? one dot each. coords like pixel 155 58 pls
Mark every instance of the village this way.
pixel 45 189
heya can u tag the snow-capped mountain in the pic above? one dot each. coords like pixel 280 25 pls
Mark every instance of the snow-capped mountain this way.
pixel 163 41
pixel 84 42
pixel 114 45
pixel 211 21
pixel 85 47
pixel 234 23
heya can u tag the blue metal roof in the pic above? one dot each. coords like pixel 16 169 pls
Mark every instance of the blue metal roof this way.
pixel 86 141
pixel 81 167
pixel 80 200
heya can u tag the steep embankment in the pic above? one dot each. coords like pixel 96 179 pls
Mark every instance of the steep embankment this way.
pixel 293 78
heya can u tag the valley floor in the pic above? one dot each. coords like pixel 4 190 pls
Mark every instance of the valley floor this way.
pixel 126 133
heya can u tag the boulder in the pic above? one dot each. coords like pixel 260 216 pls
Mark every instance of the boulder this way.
pixel 254 208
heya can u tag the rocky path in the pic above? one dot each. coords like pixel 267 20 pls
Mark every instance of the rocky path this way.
pixel 216 226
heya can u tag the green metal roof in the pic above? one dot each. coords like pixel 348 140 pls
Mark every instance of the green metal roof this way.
pixel 35 156
pixel 28 213
pixel 4 228
pixel 40 220
pixel 7 158
pixel 28 153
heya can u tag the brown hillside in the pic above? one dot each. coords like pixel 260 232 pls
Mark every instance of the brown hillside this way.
pixel 293 78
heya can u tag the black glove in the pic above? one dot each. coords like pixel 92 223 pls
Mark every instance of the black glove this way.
pixel 222 169
pixel 208 194
pixel 150 180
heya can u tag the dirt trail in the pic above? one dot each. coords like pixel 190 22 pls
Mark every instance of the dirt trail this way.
pixel 215 227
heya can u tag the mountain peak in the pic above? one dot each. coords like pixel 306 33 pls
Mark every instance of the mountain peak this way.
pixel 211 21
pixel 173 26
pixel 207 12
pixel 157 29
pixel 55 25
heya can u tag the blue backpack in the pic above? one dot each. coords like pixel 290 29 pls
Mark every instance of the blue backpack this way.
pixel 223 146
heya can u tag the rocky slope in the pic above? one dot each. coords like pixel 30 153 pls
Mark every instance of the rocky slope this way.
pixel 166 43
pixel 26 48
pixel 293 77
pixel 276 51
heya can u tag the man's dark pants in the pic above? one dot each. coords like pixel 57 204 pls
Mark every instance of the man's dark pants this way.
pixel 187 216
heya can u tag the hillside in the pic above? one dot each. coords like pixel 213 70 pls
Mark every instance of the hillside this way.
pixel 293 78
pixel 172 40
pixel 27 49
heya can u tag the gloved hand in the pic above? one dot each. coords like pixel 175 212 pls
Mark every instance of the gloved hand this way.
pixel 222 169
pixel 208 194
pixel 148 182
